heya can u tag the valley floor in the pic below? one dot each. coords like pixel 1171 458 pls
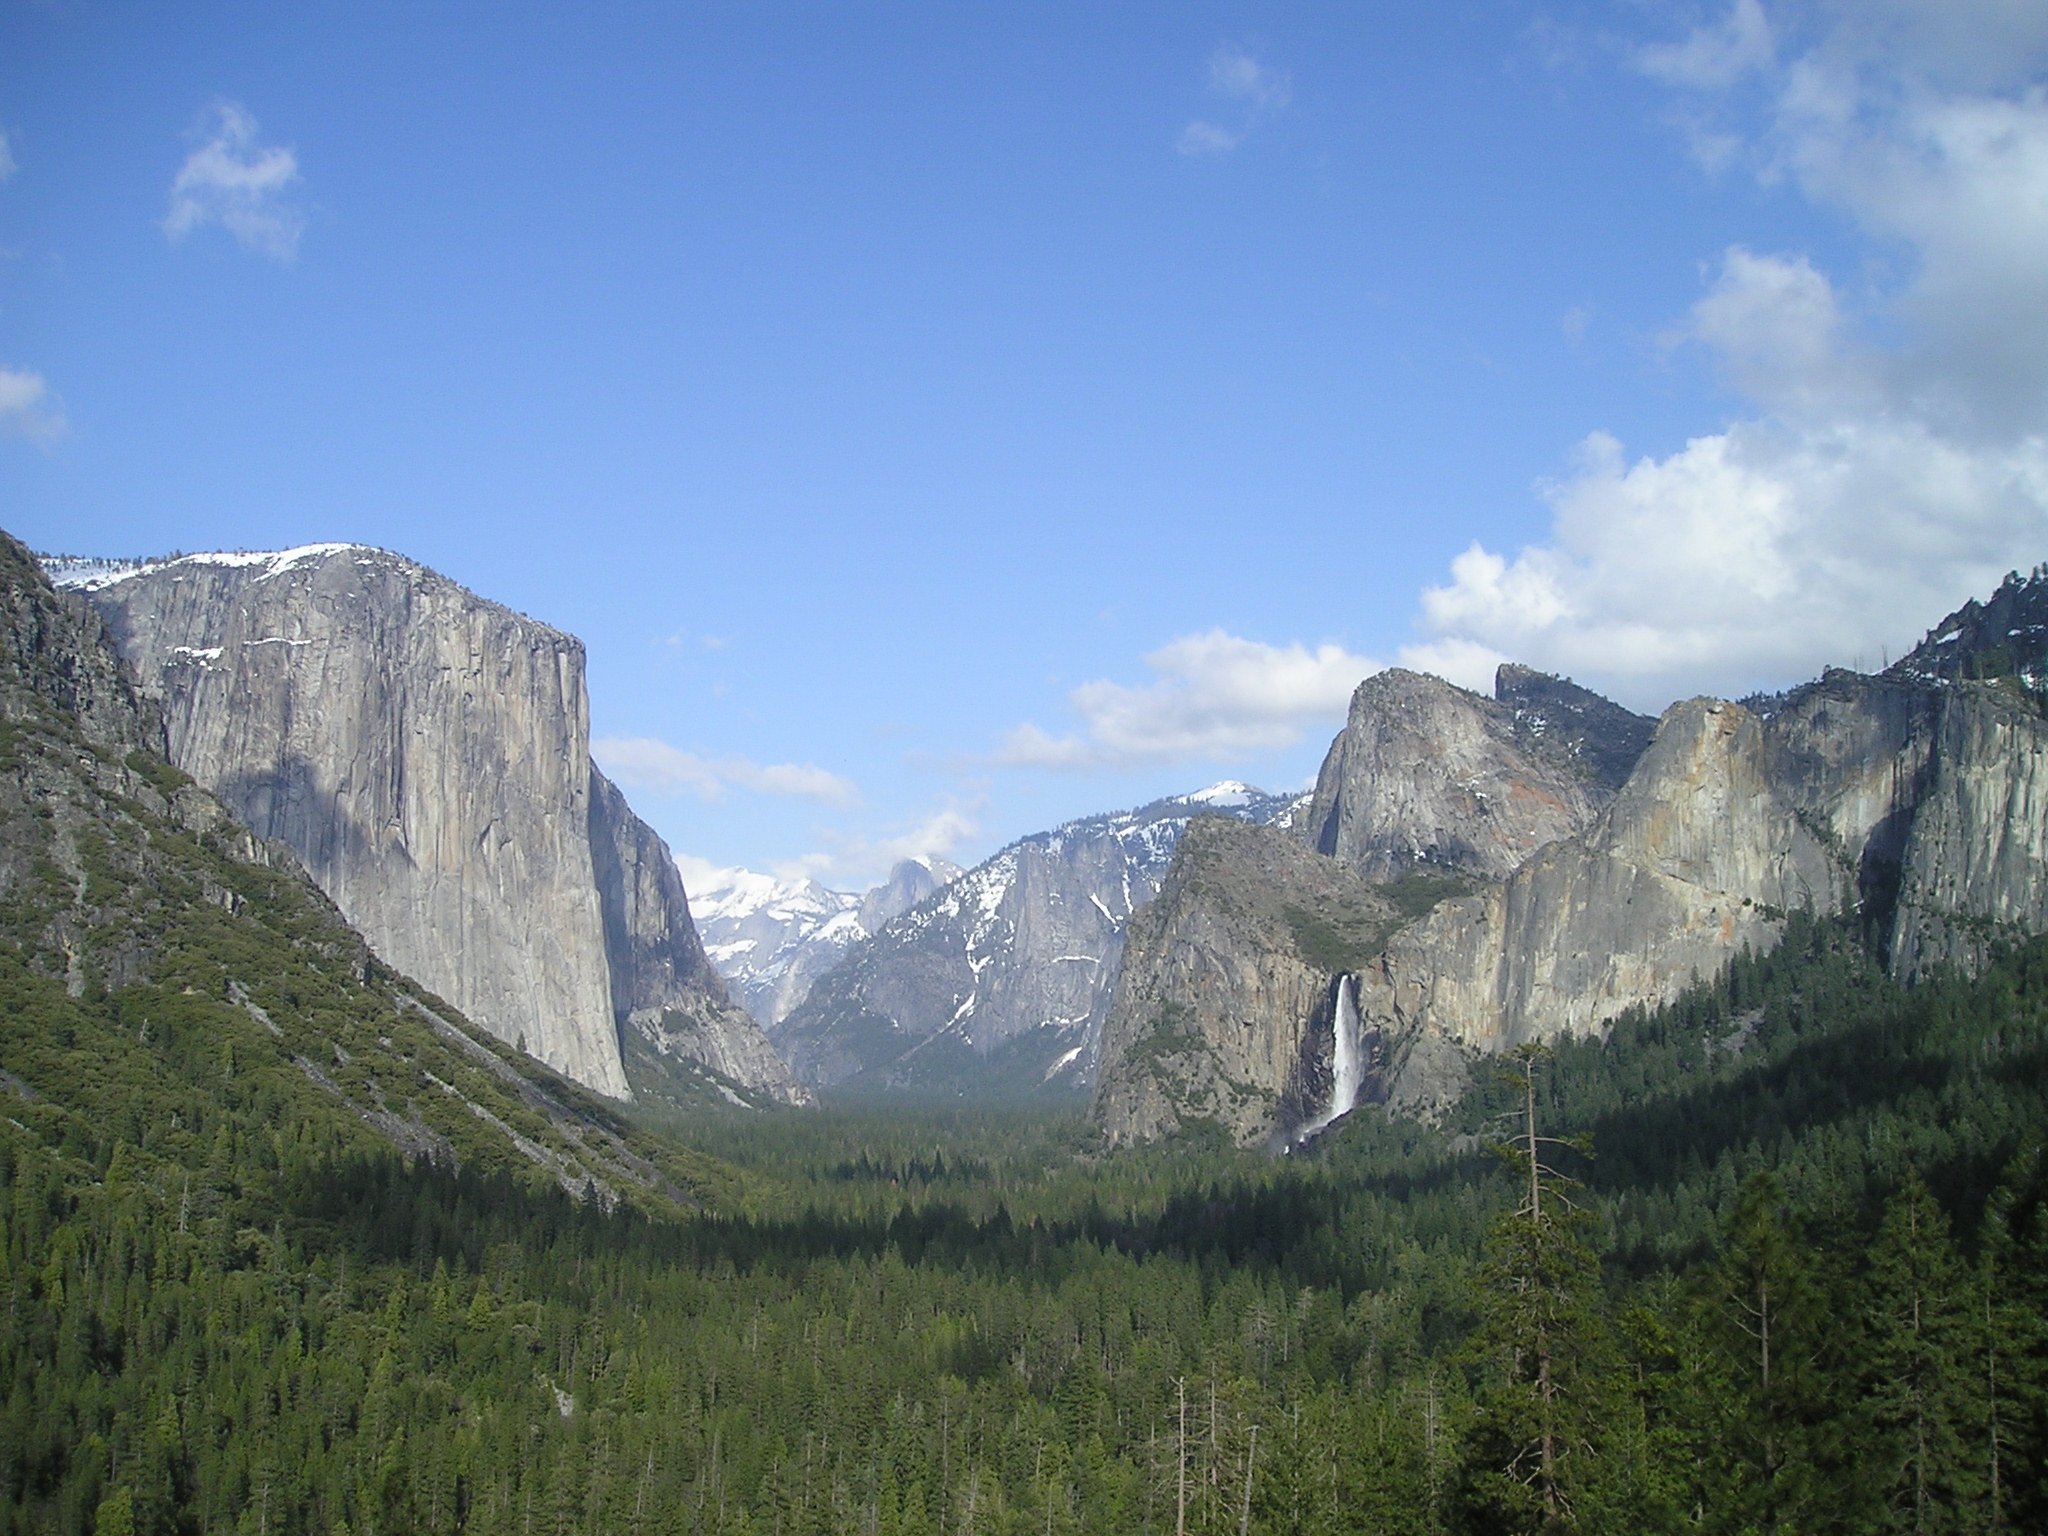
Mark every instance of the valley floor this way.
pixel 1800 1282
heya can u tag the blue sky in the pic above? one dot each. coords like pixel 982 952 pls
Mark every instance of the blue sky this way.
pixel 942 420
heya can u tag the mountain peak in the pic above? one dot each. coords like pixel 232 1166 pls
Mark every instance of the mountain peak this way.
pixel 2005 636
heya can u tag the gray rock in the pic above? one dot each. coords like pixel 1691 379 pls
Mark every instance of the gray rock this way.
pixel 1974 860
pixel 1226 1006
pixel 1698 856
pixel 668 1000
pixel 998 983
pixel 1917 799
pixel 426 754
pixel 1425 774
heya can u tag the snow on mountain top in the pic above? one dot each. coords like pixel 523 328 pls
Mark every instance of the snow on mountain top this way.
pixel 90 574
pixel 733 895
pixel 1231 792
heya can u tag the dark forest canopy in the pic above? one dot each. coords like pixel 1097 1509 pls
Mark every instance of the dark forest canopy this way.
pixel 1799 1284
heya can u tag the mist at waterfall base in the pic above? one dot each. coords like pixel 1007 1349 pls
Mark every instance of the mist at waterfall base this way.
pixel 1347 1064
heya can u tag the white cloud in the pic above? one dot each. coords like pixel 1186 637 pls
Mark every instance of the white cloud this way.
pixel 8 164
pixel 1213 695
pixel 1236 74
pixel 1711 57
pixel 231 180
pixel 1200 138
pixel 1242 80
pixel 27 408
pixel 938 835
pixel 640 762
pixel 1894 458
pixel 850 862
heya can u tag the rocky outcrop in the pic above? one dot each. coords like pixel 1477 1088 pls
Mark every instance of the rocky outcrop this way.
pixel 426 754
pixel 118 874
pixel 670 1003
pixel 1916 799
pixel 2004 639
pixel 1974 867
pixel 1427 775
pixel 1698 856
pixel 1227 1009
pixel 58 651
pixel 998 983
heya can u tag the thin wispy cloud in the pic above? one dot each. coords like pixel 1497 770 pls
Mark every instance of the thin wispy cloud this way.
pixel 1254 89
pixel 1211 696
pixel 853 861
pixel 640 762
pixel 1206 139
pixel 232 180
pixel 27 408
pixel 8 165
pixel 1715 56
pixel 1235 74
pixel 1893 457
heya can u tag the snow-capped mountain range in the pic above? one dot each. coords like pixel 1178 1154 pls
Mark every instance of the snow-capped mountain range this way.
pixel 771 939
pixel 998 982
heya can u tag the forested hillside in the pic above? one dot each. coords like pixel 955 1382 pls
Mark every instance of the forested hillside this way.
pixel 286 1248
pixel 1800 1286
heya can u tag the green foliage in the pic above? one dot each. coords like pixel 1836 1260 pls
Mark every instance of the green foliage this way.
pixel 235 1304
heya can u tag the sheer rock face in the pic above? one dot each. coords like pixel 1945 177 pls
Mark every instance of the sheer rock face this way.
pixel 1425 774
pixel 1226 1010
pixel 1975 862
pixel 665 994
pixel 1698 856
pixel 1918 798
pixel 424 752
pixel 1924 808
pixel 59 651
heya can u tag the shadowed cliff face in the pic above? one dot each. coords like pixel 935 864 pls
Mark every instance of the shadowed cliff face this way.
pixel 426 753
pixel 1975 862
pixel 668 1000
pixel 129 888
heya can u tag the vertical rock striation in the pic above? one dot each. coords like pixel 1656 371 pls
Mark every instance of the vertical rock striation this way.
pixel 426 754
pixel 1974 867
pixel 1917 799
pixel 1698 856
pixel 667 999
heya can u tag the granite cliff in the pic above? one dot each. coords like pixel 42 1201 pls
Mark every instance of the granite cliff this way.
pixel 1916 800
pixel 426 754
pixel 1427 775
pixel 154 946
pixel 1228 1004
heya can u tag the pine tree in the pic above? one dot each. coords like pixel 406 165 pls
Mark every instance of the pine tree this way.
pixel 1541 1337
pixel 1763 1321
pixel 1918 1386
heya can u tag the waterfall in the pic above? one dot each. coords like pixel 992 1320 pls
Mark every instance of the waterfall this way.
pixel 1347 1061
